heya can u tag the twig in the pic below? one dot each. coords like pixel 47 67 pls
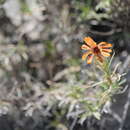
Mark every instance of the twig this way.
pixel 125 111
pixel 73 124
pixel 124 90
pixel 65 72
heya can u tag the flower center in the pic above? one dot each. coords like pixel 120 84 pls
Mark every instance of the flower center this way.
pixel 96 50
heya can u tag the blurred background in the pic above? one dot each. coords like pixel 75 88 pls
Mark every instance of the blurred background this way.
pixel 40 57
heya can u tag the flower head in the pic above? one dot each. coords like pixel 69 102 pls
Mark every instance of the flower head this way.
pixel 100 50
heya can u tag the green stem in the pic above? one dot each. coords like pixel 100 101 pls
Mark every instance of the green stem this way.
pixel 104 67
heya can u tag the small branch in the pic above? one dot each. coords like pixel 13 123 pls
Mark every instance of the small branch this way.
pixel 125 111
pixel 73 124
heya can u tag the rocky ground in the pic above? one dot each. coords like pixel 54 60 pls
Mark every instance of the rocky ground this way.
pixel 39 39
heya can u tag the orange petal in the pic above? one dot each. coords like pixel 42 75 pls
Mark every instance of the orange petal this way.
pixel 107 46
pixel 86 54
pixel 106 50
pixel 85 47
pixel 105 54
pixel 104 45
pixel 90 58
pixel 90 42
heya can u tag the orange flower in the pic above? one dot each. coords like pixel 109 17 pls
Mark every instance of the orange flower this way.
pixel 100 50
